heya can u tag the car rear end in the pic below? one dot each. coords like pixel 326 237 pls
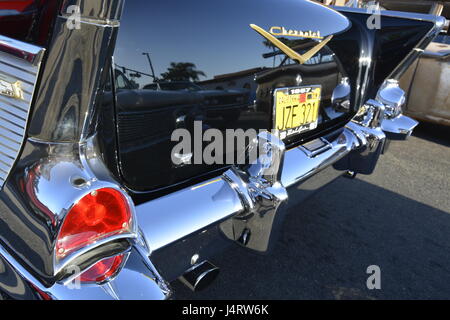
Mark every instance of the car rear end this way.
pixel 91 197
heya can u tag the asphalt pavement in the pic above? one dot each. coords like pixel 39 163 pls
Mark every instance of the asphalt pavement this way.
pixel 397 219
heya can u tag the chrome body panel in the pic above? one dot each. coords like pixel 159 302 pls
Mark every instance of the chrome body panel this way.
pixel 59 130
pixel 75 179
pixel 102 13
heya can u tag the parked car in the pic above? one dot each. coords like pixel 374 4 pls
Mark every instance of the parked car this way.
pixel 427 81
pixel 94 201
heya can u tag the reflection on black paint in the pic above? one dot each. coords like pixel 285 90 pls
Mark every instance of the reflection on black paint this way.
pixel 187 68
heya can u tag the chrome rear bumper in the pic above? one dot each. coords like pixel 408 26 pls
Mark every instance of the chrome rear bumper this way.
pixel 238 196
pixel 245 204
pixel 192 210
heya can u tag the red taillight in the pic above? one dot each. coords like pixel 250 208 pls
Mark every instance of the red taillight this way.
pixel 102 270
pixel 98 215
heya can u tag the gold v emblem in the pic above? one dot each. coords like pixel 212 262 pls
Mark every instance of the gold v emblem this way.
pixel 301 58
pixel 12 90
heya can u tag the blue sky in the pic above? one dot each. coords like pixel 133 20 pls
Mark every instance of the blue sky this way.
pixel 215 35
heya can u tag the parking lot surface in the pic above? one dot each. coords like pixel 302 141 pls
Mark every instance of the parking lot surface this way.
pixel 398 219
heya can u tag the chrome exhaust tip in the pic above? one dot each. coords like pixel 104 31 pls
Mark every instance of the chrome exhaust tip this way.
pixel 200 275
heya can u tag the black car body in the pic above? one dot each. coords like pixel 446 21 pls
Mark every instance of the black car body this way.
pixel 91 195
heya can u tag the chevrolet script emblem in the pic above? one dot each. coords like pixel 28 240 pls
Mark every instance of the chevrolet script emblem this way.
pixel 300 58
pixel 12 90
pixel 281 31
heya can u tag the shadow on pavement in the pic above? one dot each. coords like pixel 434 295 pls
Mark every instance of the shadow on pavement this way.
pixel 433 132
pixel 329 241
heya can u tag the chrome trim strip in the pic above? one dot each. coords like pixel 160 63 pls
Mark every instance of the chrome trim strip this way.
pixel 96 22
pixel 24 51
pixel 392 13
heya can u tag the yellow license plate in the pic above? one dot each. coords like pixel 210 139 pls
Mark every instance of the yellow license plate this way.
pixel 296 109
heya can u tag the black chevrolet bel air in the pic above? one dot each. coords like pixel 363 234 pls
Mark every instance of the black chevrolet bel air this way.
pixel 98 200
